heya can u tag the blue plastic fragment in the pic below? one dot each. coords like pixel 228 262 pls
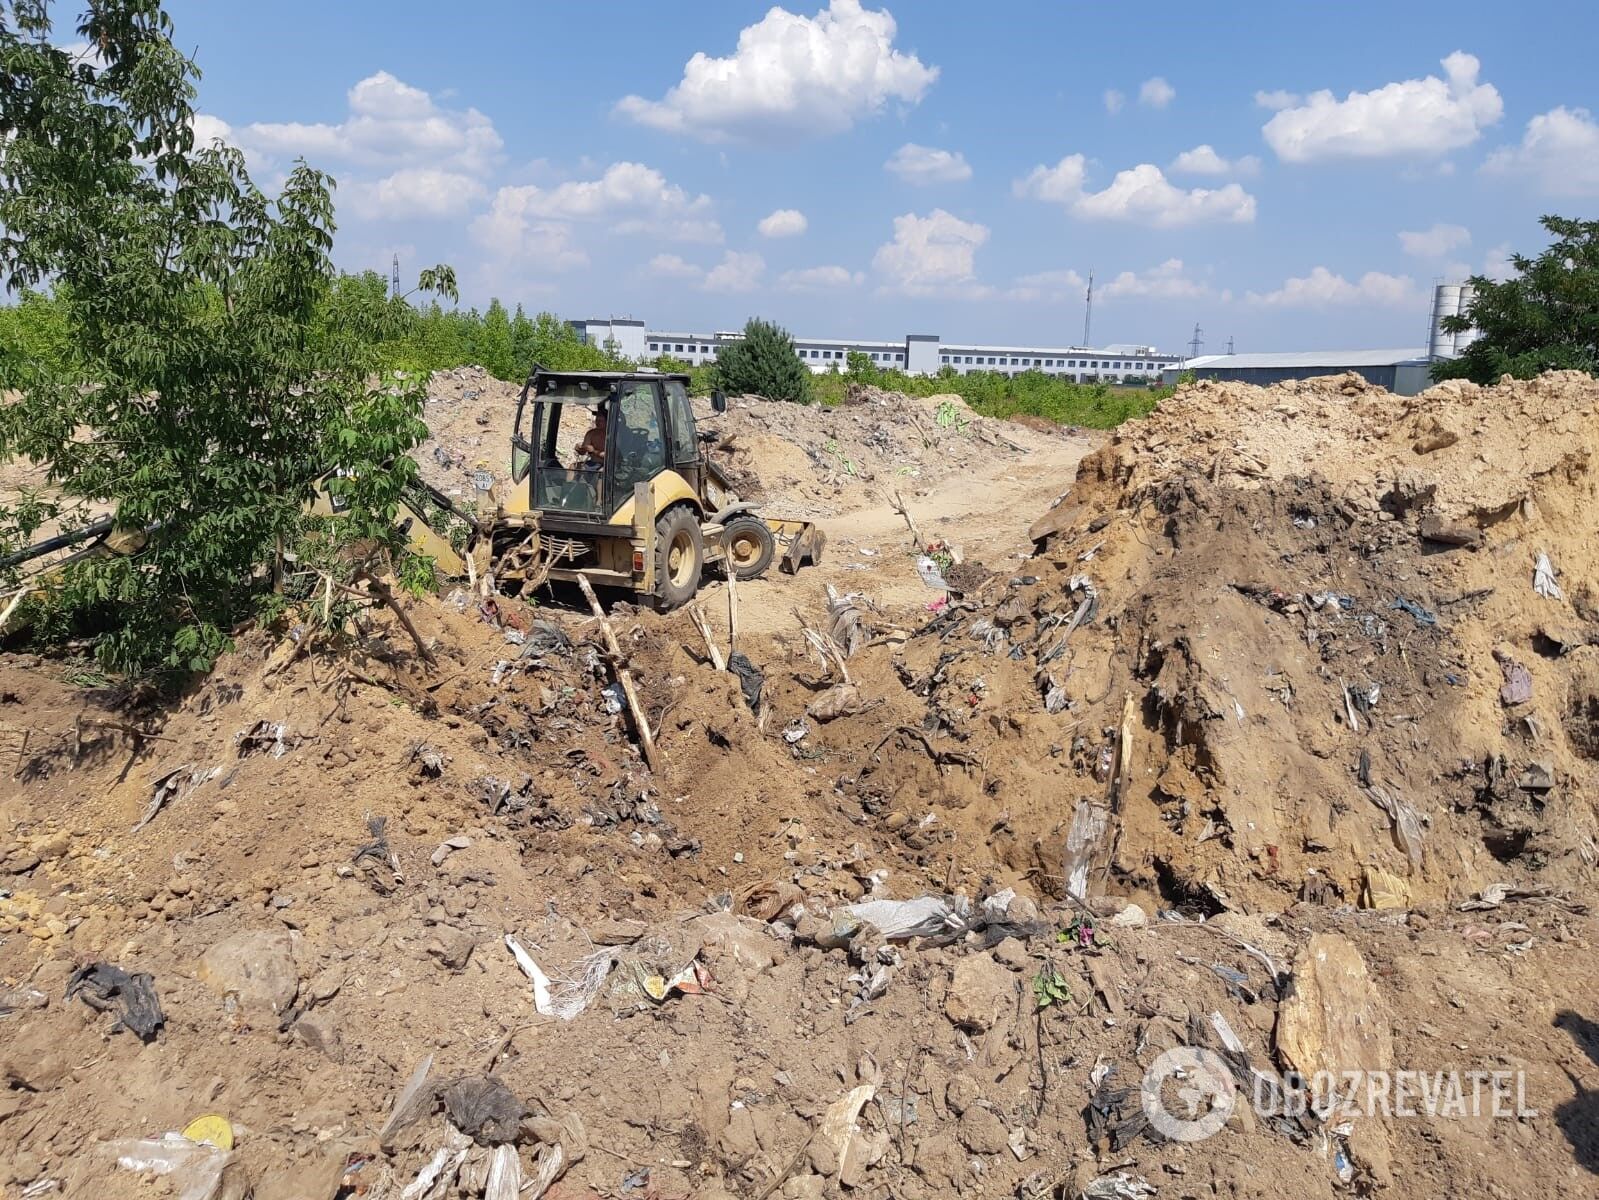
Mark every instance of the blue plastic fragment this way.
pixel 1423 617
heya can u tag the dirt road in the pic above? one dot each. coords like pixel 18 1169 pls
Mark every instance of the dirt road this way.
pixel 870 550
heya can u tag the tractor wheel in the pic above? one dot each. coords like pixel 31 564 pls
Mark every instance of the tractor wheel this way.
pixel 679 558
pixel 749 545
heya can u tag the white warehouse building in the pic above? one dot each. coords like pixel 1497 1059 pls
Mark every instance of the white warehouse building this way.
pixel 915 354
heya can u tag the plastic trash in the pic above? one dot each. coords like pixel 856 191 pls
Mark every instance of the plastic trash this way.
pixel 212 1129
pixel 1120 1186
pixel 899 920
pixel 1543 579
pixel 1422 616
pixel 750 678
pixel 195 1170
pixel 931 575
pixel 103 986
pixel 614 698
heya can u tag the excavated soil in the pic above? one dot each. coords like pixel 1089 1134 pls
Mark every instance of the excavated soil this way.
pixel 1171 760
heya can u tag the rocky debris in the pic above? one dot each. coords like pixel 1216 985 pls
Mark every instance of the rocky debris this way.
pixel 982 992
pixel 254 972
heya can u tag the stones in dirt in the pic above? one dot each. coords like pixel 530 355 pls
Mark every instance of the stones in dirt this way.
pixel 981 992
pixel 981 1132
pixel 256 969
pixel 451 946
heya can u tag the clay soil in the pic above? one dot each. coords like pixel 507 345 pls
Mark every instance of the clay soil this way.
pixel 1242 730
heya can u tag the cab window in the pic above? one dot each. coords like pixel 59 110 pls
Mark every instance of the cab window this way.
pixel 685 448
pixel 640 445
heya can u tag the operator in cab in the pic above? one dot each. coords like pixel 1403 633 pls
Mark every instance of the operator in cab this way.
pixel 591 450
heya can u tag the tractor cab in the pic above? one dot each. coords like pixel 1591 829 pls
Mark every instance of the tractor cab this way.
pixel 585 440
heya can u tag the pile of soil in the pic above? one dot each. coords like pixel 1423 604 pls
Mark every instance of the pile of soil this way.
pixel 1185 780
pixel 875 443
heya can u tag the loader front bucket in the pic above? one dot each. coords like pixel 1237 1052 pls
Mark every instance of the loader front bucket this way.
pixel 798 542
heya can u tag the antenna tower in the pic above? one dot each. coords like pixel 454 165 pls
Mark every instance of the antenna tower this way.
pixel 1088 311
pixel 394 280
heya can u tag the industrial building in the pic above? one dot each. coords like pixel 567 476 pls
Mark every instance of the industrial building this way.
pixel 915 354
pixel 1403 372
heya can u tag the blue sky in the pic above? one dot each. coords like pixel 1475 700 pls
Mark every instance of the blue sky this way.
pixel 1290 175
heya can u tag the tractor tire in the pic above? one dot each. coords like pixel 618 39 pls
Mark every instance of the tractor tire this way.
pixel 749 546
pixel 679 558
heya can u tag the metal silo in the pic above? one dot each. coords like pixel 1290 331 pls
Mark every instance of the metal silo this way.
pixel 1445 303
pixel 1462 340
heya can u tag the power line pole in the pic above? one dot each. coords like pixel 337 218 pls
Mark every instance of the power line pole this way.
pixel 1088 311
pixel 394 280
pixel 1229 343
pixel 1196 342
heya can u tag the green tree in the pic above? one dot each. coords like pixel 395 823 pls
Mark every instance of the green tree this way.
pixel 764 363
pixel 1544 319
pixel 225 372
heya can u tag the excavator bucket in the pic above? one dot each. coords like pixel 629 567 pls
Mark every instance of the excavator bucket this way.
pixel 798 542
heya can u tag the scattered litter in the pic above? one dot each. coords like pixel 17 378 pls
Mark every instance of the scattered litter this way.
pixel 615 701
pixel 271 736
pixel 796 732
pixel 195 1170
pixel 484 1109
pixel 166 787
pixel 1120 1186
pixel 379 852
pixel 1543 579
pixel 1517 688
pixel 213 1129
pixel 1423 617
pixel 928 569
pixel 103 986
pixel 750 679
pixel 1406 824
pixel 841 700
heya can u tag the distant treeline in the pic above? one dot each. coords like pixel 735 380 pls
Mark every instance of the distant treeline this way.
pixel 406 337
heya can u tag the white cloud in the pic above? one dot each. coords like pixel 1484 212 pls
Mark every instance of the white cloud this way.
pixel 1048 286
pixel 1141 194
pixel 790 77
pixel 1436 242
pixel 820 279
pixel 670 266
pixel 416 192
pixel 208 129
pixel 1418 117
pixel 1323 289
pixel 1559 151
pixel 1114 101
pixel 785 222
pixel 1164 282
pixel 739 271
pixel 390 125
pixel 924 164
pixel 1156 93
pixel 1277 100
pixel 628 198
pixel 1203 160
pixel 1497 264
pixel 931 254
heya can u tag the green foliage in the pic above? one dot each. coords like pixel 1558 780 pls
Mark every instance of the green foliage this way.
pixel 203 368
pixel 997 394
pixel 764 363
pixel 1050 988
pixel 1545 319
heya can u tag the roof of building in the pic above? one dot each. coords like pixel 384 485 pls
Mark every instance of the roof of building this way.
pixel 1057 351
pixel 1332 359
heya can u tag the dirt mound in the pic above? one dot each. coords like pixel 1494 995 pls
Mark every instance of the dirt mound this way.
pixel 1185 780
pixel 875 443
